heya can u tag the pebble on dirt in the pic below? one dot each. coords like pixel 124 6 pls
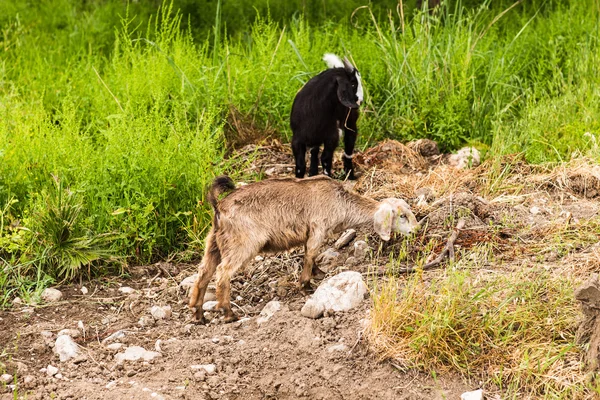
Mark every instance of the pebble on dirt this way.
pixel 474 395
pixel 210 369
pixel 50 294
pixel 341 292
pixel 66 348
pixel 136 353
pixel 51 370
pixel 467 157
pixel 188 282
pixel 268 311
pixel 159 312
pixel 6 378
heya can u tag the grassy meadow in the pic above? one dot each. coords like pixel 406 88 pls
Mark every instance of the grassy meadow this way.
pixel 114 117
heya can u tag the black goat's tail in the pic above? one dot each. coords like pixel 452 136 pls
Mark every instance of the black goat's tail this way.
pixel 221 184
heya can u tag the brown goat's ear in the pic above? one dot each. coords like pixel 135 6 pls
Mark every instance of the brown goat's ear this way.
pixel 345 93
pixel 383 220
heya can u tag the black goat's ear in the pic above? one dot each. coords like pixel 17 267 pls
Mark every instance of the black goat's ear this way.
pixel 346 93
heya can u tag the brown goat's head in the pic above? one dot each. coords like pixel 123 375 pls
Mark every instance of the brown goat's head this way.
pixel 394 215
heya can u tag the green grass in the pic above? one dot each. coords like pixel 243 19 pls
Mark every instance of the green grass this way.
pixel 114 119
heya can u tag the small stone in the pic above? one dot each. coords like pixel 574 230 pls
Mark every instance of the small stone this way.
pixel 84 290
pixel 114 346
pixel 215 340
pixel 6 378
pixel 159 312
pixel 50 295
pixel 467 157
pixel 533 210
pixel 126 290
pixel 28 381
pixel 115 336
pixel 66 348
pixel 69 332
pixel 48 337
pixel 81 326
pixel 188 282
pixel 146 321
pixel 136 353
pixel 268 311
pixel 337 347
pixel 258 258
pixel 345 238
pixel 210 369
pixel 51 370
pixel 474 395
pixel 17 301
pixel 209 305
pixel 360 249
pixel 111 384
pixel 327 257
pixel 58 376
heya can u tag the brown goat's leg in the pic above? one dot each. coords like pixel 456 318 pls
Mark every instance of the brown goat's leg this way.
pixel 310 253
pixel 225 271
pixel 206 270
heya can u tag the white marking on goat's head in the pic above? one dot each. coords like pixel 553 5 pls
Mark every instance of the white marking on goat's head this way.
pixel 359 89
pixel 333 61
pixel 394 215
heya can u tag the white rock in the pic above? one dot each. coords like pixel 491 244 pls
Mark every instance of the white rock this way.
pixel 51 294
pixel 114 346
pixel 474 395
pixel 6 378
pixel 146 321
pixel 465 158
pixel 136 353
pixel 159 312
pixel 17 300
pixel 58 376
pixel 259 258
pixel 209 305
pixel 66 348
pixel 210 369
pixel 51 370
pixel 126 290
pixel 70 332
pixel 188 282
pixel 111 384
pixel 115 336
pixel 535 210
pixel 341 292
pixel 345 238
pixel 84 290
pixel 268 311
pixel 360 249
pixel 337 347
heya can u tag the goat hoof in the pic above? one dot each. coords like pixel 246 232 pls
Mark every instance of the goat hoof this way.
pixel 230 318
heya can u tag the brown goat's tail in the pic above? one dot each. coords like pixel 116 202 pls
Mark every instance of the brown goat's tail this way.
pixel 220 185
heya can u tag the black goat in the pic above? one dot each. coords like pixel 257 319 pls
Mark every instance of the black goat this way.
pixel 325 106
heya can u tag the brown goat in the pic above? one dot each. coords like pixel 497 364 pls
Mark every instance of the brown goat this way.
pixel 279 214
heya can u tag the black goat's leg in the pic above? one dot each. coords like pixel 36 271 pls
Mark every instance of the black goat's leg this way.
pixel 314 161
pixel 350 134
pixel 327 155
pixel 299 150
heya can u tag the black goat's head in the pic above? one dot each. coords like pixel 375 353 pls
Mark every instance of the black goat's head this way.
pixel 350 90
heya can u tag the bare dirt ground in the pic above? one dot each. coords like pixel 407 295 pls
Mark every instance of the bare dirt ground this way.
pixel 288 356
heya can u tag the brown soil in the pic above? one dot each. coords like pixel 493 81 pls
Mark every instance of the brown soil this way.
pixel 289 356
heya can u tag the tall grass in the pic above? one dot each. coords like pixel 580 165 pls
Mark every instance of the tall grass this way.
pixel 131 117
